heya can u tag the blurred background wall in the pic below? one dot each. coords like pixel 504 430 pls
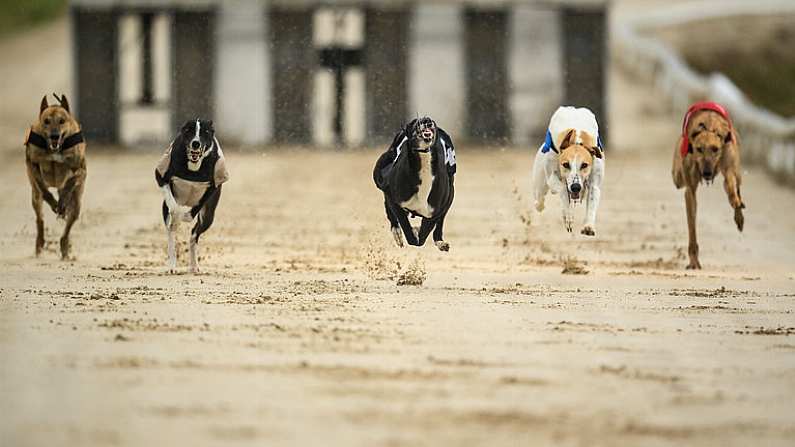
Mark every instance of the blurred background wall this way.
pixel 335 73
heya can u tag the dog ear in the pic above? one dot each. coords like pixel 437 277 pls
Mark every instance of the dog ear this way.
pixel 64 103
pixel 210 125
pixel 729 138
pixel 595 151
pixel 567 140
pixel 44 104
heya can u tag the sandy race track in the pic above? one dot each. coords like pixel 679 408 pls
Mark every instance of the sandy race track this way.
pixel 296 333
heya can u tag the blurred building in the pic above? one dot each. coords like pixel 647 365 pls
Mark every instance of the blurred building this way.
pixel 335 71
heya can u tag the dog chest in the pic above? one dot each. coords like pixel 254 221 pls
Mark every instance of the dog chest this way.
pixel 418 203
pixel 188 192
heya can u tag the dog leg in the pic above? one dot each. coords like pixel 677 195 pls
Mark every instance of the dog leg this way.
pixel 394 225
pixel 732 186
pixel 171 229
pixel 66 194
pixel 405 225
pixel 37 202
pixel 692 246
pixel 539 186
pixel 425 229
pixel 437 234
pixel 594 194
pixel 194 254
pixel 568 214
pixel 204 219
pixel 71 213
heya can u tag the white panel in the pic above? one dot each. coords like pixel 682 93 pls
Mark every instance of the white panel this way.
pixel 355 120
pixel 323 106
pixel 536 78
pixel 161 58
pixel 243 84
pixel 130 58
pixel 436 61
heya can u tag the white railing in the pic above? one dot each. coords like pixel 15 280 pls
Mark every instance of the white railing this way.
pixel 766 138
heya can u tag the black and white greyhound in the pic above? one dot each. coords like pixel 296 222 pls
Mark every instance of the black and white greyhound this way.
pixel 190 175
pixel 416 176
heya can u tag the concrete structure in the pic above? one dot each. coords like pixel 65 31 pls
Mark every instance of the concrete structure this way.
pixel 335 72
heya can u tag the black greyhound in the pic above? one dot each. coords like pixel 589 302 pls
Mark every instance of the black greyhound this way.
pixel 190 175
pixel 416 176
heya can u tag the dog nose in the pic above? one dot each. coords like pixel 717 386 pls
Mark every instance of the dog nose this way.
pixel 194 144
pixel 707 174
pixel 54 136
pixel 576 187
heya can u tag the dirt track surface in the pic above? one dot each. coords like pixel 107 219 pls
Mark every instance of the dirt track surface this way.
pixel 290 337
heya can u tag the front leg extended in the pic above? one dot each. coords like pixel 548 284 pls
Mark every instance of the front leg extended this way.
pixel 65 194
pixel 565 207
pixel 405 225
pixel 594 194
pixel 34 173
pixel 731 184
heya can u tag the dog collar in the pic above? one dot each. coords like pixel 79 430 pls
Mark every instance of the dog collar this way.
pixel 684 147
pixel 41 142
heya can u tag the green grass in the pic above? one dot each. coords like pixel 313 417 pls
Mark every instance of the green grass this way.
pixel 16 15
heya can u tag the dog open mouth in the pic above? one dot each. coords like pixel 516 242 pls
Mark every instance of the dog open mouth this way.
pixel 574 196
pixel 194 155
pixel 427 135
pixel 55 143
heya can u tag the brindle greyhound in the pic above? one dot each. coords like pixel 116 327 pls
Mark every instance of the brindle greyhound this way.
pixel 55 158
pixel 708 145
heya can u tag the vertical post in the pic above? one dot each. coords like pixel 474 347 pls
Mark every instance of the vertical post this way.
pixel 585 56
pixel 292 67
pixel 147 73
pixel 96 65
pixel 487 75
pixel 386 71
pixel 194 65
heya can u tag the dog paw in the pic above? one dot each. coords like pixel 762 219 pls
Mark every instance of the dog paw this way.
pixel 442 245
pixel 739 219
pixel 194 269
pixel 539 205
pixel 588 231
pixel 694 265
pixel 568 222
pixel 60 209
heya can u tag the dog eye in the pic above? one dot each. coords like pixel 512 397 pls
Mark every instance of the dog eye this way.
pixel 584 165
pixel 61 121
pixel 700 150
pixel 46 121
pixel 567 165
pixel 715 150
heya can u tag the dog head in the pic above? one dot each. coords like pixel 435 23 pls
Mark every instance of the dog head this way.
pixel 198 137
pixel 422 134
pixel 576 160
pixel 708 134
pixel 55 122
